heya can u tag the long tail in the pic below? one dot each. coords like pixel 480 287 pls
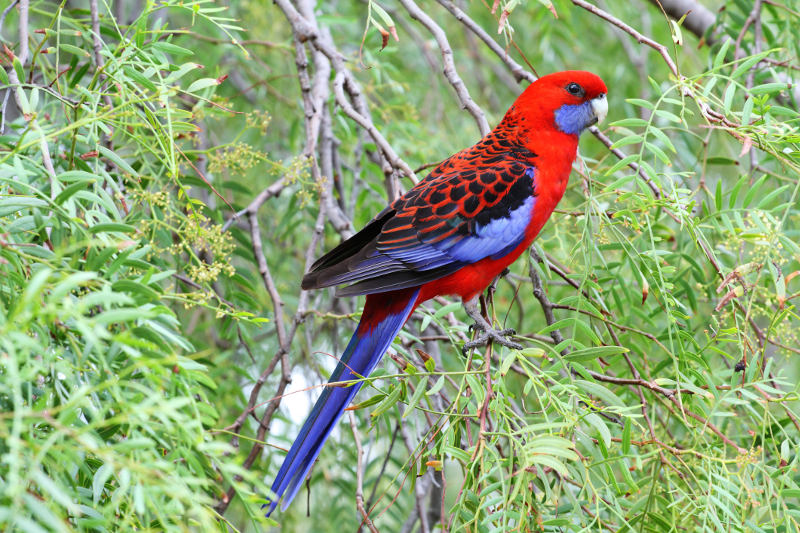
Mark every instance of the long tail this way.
pixel 383 316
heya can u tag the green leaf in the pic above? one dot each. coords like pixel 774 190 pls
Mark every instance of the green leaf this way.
pixel 109 227
pixel 625 161
pixel 727 100
pixel 658 152
pixel 592 353
pixel 754 190
pixel 117 160
pixel 602 429
pixel 641 103
pixel 99 481
pixel 735 191
pixel 20 72
pixel 745 65
pixel 625 141
pixel 767 199
pixel 389 402
pixel 436 387
pixel 767 88
pixel 671 117
pixel 626 437
pixel 202 83
pixel 55 492
pixel 144 292
pixel 70 49
pixel 601 392
pixel 139 78
pixel 64 195
pixel 747 111
pixel 13 204
pixel 170 48
pixel 552 462
pixel 719 59
pixel 630 123
pixel 415 398
pixel 662 137
pixel 382 13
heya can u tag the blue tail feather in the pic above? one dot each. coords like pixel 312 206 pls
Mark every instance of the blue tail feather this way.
pixel 365 350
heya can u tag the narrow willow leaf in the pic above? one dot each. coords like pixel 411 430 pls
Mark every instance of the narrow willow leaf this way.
pixel 552 462
pixel 64 195
pixel 631 123
pixel 70 49
pixel 590 354
pixel 768 88
pixel 596 422
pixel 108 227
pixel 436 387
pixel 601 392
pixel 753 191
pixel 641 103
pixel 745 65
pixel 172 48
pixel 139 78
pixel 719 59
pixel 626 437
pixel 667 115
pixel 735 191
pixel 99 481
pixel 625 141
pixel 625 161
pixel 662 137
pixel 658 152
pixel 202 83
pixel 727 100
pixel 117 160
pixel 770 196
pixel 747 111
pixel 416 397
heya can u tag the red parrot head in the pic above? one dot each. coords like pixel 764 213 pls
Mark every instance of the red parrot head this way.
pixel 568 101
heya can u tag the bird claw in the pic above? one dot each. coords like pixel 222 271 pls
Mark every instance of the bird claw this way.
pixel 491 335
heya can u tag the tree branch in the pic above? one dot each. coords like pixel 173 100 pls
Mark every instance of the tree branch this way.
pixel 449 66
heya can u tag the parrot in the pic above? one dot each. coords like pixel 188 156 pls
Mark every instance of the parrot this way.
pixel 451 234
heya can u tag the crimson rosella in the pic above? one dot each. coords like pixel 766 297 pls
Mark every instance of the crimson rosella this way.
pixel 452 234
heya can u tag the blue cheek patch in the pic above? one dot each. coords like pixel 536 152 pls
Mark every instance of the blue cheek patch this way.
pixel 573 119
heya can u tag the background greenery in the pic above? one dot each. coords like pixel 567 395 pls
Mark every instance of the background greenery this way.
pixel 148 332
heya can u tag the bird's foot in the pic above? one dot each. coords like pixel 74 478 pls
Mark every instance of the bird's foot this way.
pixel 489 334
pixel 497 336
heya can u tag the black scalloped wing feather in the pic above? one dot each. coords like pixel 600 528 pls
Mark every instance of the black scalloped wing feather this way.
pixel 471 206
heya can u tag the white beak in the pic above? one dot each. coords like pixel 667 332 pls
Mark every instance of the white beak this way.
pixel 600 107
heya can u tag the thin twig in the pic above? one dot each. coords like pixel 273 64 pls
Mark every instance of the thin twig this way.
pixel 307 31
pixel 4 14
pixel 517 70
pixel 642 39
pixel 19 99
pixel 338 90
pixel 450 71
pixel 360 475
pixel 281 355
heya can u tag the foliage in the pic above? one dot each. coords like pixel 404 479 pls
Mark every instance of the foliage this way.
pixel 141 357
pixel 107 403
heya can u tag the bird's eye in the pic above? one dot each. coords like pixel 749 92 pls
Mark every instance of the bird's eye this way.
pixel 575 90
